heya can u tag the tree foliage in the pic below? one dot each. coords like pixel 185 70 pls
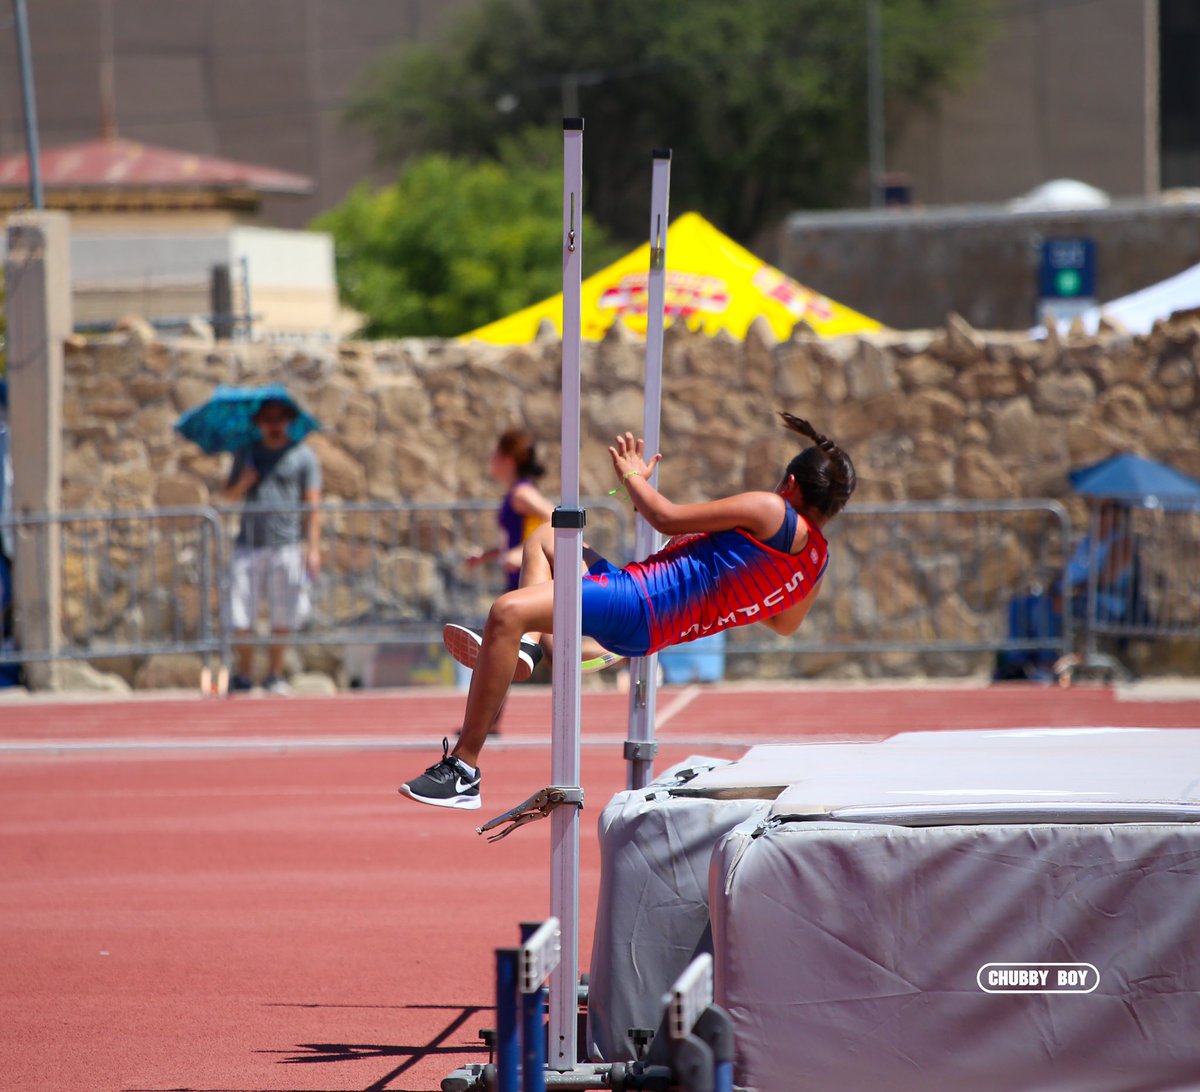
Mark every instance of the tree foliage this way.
pixel 762 101
pixel 454 244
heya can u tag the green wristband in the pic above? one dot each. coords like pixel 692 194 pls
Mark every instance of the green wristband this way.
pixel 621 488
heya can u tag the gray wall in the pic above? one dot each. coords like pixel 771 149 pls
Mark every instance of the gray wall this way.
pixel 908 269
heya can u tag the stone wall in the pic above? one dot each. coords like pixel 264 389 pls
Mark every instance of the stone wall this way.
pixel 952 412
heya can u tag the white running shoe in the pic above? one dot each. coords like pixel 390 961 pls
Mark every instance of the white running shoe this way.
pixel 464 645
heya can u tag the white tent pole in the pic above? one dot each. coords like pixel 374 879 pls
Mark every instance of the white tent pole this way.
pixel 640 746
pixel 568 549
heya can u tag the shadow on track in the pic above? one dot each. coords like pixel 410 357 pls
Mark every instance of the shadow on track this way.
pixel 315 1053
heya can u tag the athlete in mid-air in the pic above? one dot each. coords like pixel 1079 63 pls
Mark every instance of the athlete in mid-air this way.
pixel 752 557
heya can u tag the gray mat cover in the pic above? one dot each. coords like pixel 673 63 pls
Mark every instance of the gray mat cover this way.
pixel 847 952
pixel 652 914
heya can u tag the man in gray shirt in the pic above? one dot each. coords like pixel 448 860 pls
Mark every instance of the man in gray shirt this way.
pixel 277 553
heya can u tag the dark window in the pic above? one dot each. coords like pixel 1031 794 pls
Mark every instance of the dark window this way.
pixel 1179 90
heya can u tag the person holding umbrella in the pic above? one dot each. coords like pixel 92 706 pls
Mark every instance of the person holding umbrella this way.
pixel 277 479
pixel 277 552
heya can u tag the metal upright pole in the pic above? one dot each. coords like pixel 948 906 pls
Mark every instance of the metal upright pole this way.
pixel 25 62
pixel 640 746
pixel 568 551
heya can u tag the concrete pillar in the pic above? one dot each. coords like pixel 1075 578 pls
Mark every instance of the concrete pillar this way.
pixel 38 289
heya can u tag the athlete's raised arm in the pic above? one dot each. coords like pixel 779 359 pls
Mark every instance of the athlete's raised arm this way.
pixel 759 513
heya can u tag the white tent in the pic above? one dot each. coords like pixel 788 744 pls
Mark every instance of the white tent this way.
pixel 1138 311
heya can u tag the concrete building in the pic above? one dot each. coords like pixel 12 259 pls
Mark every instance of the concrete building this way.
pixel 1104 91
pixel 1066 90
pixel 150 229
pixel 261 81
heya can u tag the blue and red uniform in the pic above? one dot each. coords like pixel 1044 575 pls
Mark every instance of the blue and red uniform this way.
pixel 698 585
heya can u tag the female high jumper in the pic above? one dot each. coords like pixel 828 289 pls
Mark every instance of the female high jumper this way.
pixel 752 557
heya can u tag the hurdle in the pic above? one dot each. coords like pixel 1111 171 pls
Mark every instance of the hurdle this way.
pixel 694 1039
pixel 521 974
pixel 700 1033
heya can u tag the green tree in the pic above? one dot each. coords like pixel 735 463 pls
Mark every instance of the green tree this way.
pixel 762 101
pixel 455 244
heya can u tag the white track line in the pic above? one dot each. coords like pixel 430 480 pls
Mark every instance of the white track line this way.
pixel 682 700
pixel 140 747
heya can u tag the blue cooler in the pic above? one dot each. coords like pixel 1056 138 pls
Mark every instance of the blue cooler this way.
pixel 696 661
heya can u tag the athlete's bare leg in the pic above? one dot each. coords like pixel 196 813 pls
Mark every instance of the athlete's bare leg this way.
pixel 529 610
pixel 537 566
pixel 526 610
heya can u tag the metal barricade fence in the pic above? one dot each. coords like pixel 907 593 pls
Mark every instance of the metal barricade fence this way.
pixel 922 588
pixel 916 588
pixel 131 583
pixel 394 573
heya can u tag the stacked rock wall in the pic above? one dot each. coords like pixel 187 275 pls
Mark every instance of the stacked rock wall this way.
pixel 947 413
pixel 926 415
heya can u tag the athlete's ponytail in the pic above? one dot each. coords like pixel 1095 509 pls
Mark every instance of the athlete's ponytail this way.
pixel 824 473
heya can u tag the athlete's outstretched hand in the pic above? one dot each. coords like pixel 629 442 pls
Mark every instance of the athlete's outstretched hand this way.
pixel 629 457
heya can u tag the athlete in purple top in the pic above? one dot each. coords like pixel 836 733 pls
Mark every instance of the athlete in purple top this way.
pixel 752 557
pixel 514 465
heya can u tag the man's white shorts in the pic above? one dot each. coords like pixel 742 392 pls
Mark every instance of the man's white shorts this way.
pixel 276 572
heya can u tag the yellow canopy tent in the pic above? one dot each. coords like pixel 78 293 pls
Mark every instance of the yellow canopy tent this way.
pixel 712 284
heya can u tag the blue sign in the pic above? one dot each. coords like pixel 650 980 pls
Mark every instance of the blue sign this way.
pixel 1068 269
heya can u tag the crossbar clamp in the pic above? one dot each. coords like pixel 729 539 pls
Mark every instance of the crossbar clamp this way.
pixel 640 750
pixel 570 518
pixel 538 806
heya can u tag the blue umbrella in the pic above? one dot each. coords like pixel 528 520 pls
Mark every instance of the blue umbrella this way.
pixel 226 421
pixel 1132 477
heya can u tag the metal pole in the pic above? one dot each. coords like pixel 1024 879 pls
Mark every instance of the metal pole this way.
pixel 32 150
pixel 568 546
pixel 108 81
pixel 247 303
pixel 640 747
pixel 875 134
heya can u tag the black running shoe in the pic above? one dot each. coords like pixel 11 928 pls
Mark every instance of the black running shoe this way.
pixel 464 645
pixel 446 784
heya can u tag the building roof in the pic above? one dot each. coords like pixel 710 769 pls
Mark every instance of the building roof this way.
pixel 126 165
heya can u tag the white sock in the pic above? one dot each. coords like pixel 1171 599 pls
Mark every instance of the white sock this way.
pixel 470 771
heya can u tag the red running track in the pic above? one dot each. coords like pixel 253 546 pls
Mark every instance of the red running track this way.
pixel 230 895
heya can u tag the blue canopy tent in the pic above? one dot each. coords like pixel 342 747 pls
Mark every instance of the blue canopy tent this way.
pixel 1135 479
